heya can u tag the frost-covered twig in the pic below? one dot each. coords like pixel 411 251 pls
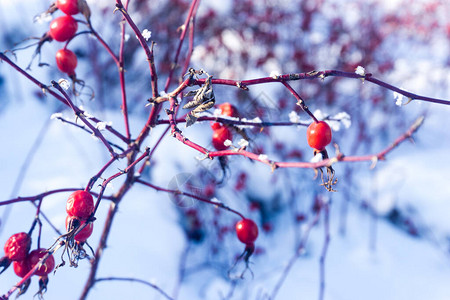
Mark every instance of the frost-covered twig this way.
pixel 45 89
pixel 326 162
pixel 143 42
pixel 80 114
pixel 58 116
pixel 322 75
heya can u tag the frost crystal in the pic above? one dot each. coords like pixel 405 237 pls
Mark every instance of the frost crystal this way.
pixel 318 157
pixel 85 113
pixel 360 71
pixel 344 119
pixel 263 157
pixel 147 34
pixel 56 116
pixel 243 143
pixel 43 18
pixel 216 201
pixel 257 120
pixel 294 117
pixel 64 83
pixel 335 125
pixel 319 114
pixel 275 74
pixel 228 143
pixel 163 94
pixel 398 99
pixel 102 125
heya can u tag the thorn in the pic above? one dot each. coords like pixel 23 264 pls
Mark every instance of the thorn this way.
pixel 407 102
pixel 273 166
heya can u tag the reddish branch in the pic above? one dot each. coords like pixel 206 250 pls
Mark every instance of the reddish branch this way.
pixel 321 75
pixel 122 76
pixel 143 42
pixel 328 162
pixel 36 197
pixel 118 174
pixel 185 27
pixel 31 272
pixel 129 181
pixel 191 38
pixel 177 132
pixel 300 101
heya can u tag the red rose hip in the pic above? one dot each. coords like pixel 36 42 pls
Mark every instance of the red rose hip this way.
pixel 34 258
pixel 84 234
pixel 63 28
pixel 247 231
pixel 220 135
pixel 318 135
pixel 66 61
pixel 80 204
pixel 228 110
pixel 69 7
pixel 17 246
pixel 21 268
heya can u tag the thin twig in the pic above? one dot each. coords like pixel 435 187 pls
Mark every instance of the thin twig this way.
pixel 147 283
pixel 185 28
pixel 199 198
pixel 79 113
pixel 322 75
pixel 300 250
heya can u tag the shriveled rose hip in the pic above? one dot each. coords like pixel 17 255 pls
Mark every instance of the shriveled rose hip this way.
pixel 17 246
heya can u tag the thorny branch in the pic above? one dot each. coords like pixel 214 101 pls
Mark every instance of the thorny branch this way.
pixel 321 75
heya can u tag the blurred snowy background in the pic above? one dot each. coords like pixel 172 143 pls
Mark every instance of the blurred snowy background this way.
pixel 389 226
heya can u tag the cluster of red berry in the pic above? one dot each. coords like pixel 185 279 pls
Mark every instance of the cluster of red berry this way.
pixel 63 29
pixel 79 208
pixel 17 251
pixel 221 133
